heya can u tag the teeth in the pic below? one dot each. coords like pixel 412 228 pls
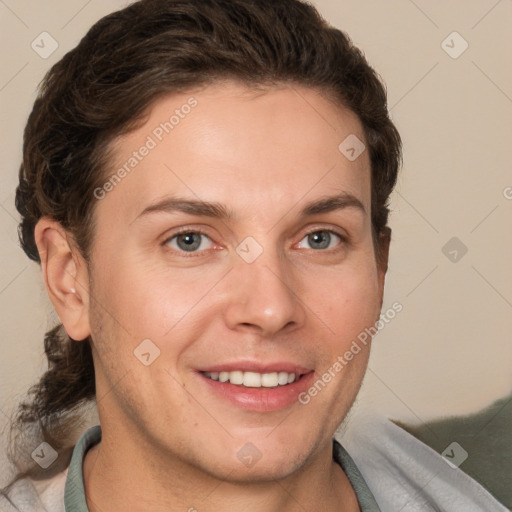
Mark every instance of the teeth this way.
pixel 253 379
pixel 282 378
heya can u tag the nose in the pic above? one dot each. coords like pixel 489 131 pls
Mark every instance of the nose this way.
pixel 264 297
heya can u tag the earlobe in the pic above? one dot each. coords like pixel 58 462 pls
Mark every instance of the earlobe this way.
pixel 65 275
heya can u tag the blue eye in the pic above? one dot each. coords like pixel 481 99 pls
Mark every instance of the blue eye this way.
pixel 321 239
pixel 196 241
pixel 189 241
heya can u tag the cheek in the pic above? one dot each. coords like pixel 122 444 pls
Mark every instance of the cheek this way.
pixel 348 299
pixel 137 296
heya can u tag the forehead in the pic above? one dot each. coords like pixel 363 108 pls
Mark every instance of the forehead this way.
pixel 243 147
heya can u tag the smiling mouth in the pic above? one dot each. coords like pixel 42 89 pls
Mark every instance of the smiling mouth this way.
pixel 254 379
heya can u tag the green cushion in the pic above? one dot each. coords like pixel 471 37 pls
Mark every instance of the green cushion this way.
pixel 486 436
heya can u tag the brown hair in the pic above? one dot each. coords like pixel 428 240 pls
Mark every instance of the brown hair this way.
pixel 103 87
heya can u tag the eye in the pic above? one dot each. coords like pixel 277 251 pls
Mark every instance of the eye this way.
pixel 321 239
pixel 189 241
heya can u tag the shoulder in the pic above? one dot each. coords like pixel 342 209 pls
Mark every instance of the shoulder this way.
pixel 36 496
pixel 405 474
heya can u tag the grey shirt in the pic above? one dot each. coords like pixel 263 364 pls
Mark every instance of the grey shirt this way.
pixel 74 496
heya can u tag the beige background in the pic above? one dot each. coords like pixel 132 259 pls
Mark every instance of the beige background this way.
pixel 449 351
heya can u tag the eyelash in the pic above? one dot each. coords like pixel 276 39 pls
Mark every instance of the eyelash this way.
pixel 191 254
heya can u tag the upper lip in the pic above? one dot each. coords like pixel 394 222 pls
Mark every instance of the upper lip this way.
pixel 258 367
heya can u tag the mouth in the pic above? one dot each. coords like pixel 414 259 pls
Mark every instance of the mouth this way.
pixel 256 387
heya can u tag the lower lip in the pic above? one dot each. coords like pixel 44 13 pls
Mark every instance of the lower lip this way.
pixel 260 399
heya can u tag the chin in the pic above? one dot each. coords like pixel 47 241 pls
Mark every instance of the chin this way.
pixel 248 463
pixel 262 471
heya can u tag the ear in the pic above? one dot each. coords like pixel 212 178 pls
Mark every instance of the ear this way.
pixel 65 275
pixel 383 257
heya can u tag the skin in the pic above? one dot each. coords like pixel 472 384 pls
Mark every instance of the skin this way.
pixel 168 442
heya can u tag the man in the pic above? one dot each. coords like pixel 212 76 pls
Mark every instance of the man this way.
pixel 205 185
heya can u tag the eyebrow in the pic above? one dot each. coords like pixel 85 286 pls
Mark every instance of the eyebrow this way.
pixel 340 201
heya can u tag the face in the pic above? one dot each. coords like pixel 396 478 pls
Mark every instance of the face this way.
pixel 232 266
